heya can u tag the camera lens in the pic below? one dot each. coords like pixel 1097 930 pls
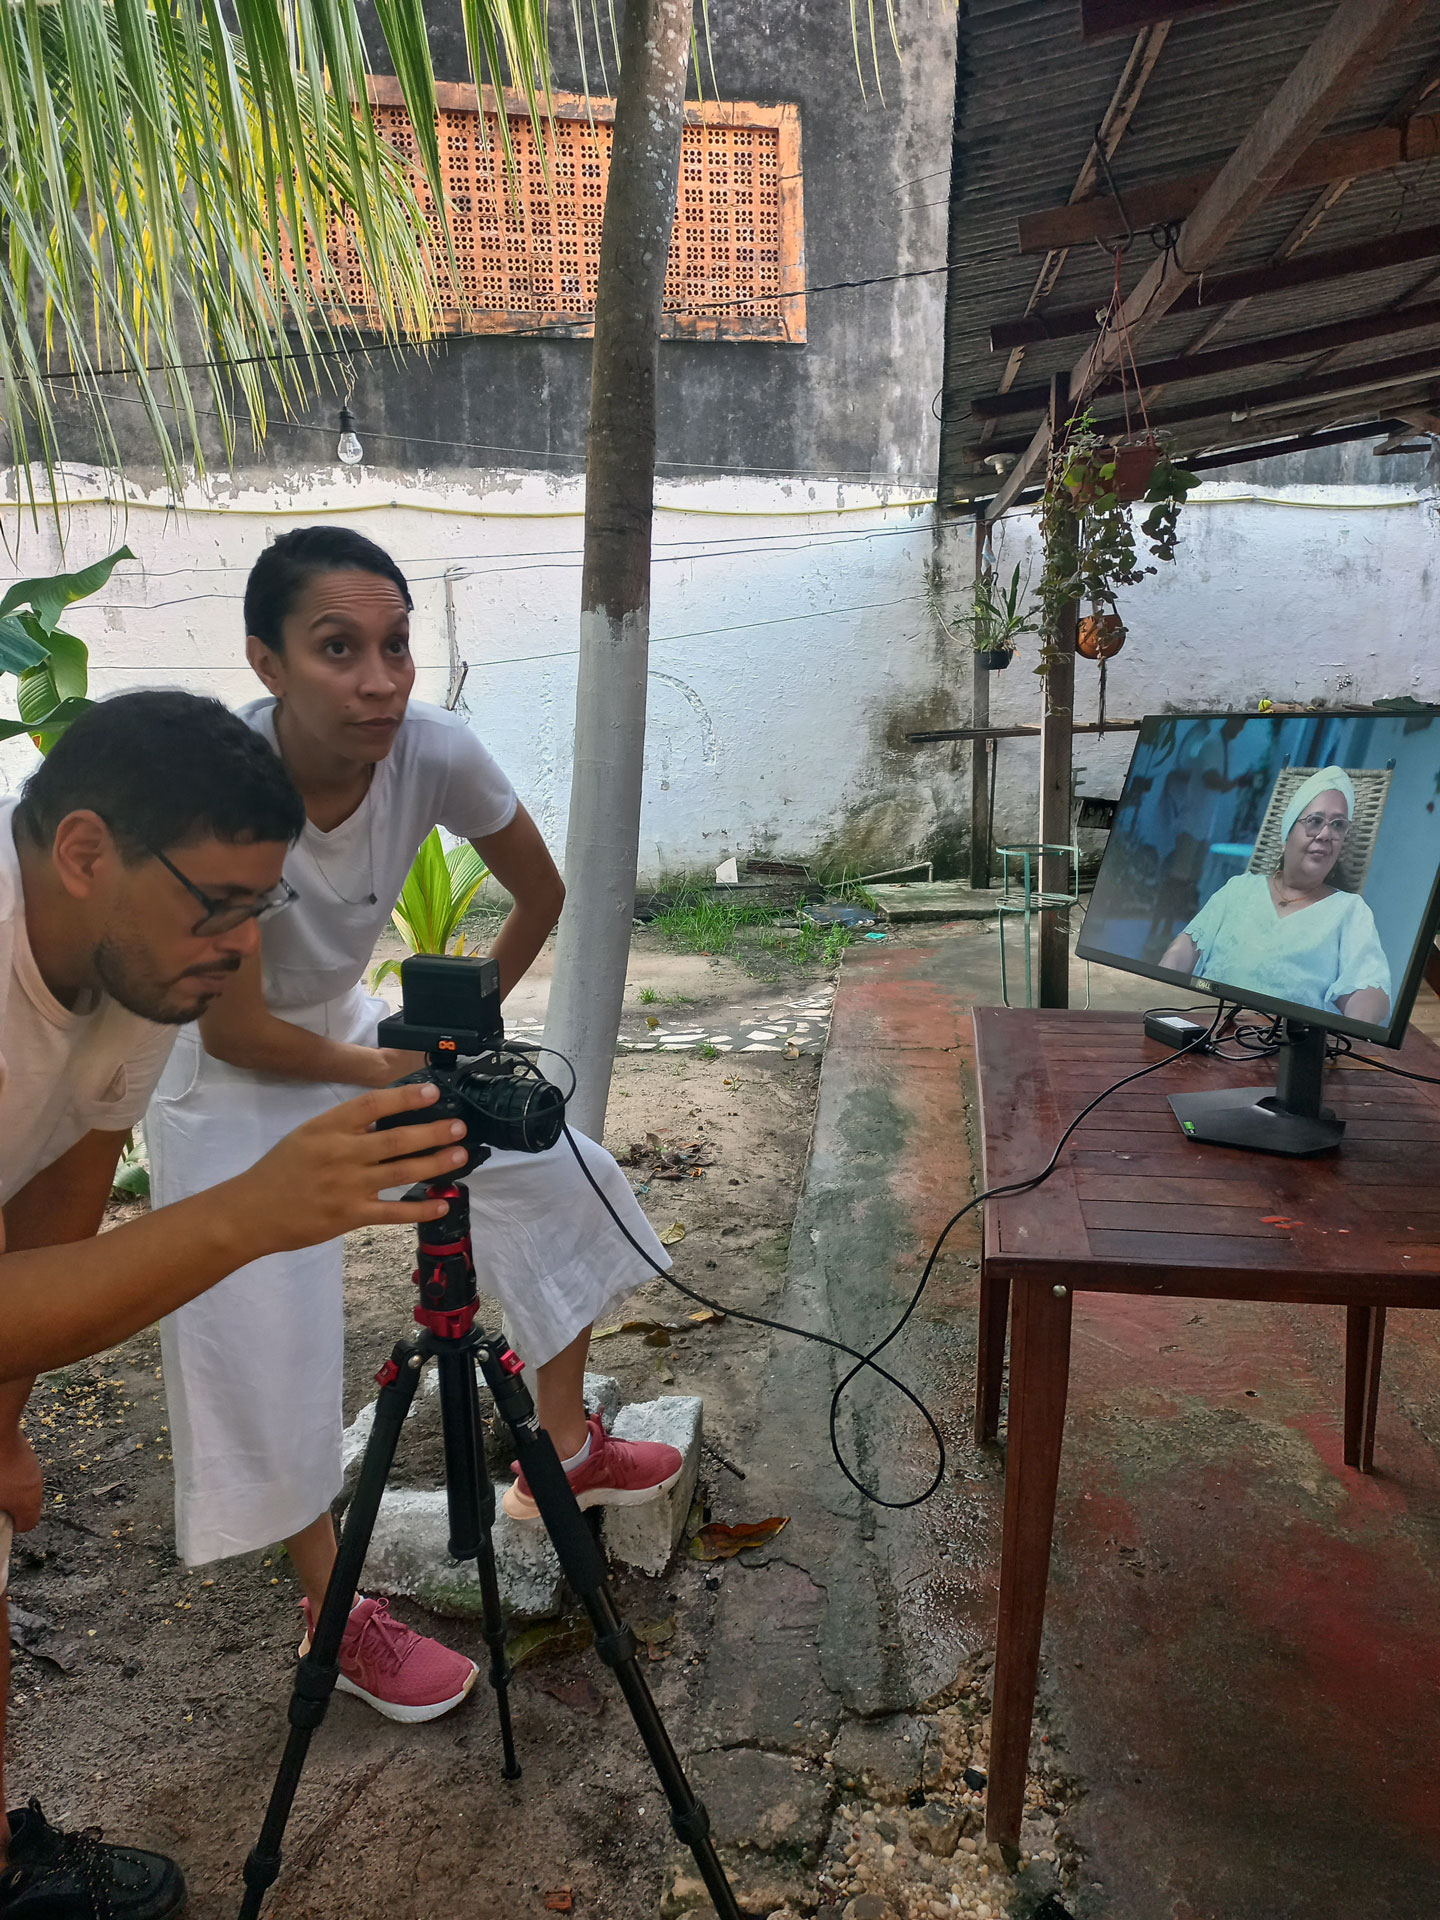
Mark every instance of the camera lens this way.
pixel 520 1115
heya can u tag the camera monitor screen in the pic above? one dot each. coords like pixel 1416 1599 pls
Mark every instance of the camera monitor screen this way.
pixel 1290 862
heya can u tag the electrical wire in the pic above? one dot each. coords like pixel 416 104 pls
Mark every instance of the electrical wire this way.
pixel 867 1360
pixel 554 331
pixel 1344 1050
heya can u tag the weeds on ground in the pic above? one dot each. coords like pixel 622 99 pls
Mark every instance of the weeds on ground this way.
pixel 701 923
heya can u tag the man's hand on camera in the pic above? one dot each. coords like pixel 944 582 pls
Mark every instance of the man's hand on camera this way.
pixel 325 1178
pixel 20 1482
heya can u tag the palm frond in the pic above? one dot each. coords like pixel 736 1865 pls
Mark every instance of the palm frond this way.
pixel 166 176
pixel 436 897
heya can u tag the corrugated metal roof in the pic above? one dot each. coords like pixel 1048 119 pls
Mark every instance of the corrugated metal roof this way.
pixel 1029 97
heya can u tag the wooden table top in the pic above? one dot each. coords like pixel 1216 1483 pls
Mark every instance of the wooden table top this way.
pixel 1142 1209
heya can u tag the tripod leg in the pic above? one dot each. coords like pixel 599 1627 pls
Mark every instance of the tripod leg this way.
pixel 584 1568
pixel 320 1668
pixel 471 1497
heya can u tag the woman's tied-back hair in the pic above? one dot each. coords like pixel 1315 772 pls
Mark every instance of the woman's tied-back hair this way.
pixel 291 562
pixel 163 769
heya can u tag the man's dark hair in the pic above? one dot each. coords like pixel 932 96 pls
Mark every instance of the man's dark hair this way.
pixel 163 769
pixel 290 563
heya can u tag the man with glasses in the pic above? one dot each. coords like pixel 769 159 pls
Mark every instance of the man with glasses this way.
pixel 134 870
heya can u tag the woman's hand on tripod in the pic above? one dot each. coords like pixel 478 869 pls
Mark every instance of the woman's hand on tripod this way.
pixel 326 1177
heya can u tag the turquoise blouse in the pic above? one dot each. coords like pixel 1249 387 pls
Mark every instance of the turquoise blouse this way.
pixel 1315 956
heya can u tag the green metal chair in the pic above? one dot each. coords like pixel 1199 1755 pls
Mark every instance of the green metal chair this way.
pixel 1021 896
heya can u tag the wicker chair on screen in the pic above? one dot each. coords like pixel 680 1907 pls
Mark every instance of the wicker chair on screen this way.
pixel 1372 788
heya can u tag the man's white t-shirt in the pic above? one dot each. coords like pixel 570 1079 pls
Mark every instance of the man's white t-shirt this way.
pixel 63 1071
pixel 436 774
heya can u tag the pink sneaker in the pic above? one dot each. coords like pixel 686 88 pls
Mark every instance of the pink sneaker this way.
pixel 398 1672
pixel 617 1473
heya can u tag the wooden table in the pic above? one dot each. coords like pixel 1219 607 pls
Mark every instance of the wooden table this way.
pixel 1134 1207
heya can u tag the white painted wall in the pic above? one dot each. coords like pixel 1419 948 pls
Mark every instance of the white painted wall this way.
pixel 1295 593
pixel 792 639
pixel 789 621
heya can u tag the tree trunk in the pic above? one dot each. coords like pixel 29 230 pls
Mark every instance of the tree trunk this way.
pixel 603 837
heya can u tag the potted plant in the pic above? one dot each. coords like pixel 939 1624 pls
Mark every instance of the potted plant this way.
pixel 997 617
pixel 1090 536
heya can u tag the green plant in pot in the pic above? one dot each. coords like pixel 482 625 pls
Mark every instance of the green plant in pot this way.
pixel 1090 535
pixel 997 617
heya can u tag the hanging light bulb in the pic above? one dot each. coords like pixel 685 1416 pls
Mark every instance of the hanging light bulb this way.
pixel 348 449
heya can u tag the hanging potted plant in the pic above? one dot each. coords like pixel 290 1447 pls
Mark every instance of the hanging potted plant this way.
pixel 1100 636
pixel 997 618
pixel 1134 464
pixel 1089 534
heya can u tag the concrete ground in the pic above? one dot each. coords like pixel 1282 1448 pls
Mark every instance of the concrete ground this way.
pixel 1241 1688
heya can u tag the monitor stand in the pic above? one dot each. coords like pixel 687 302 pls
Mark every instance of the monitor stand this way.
pixel 1289 1120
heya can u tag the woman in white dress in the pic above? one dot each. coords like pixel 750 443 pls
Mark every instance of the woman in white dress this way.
pixel 253 1372
pixel 1291 935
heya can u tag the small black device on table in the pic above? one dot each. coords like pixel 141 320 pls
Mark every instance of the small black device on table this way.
pixel 451 1014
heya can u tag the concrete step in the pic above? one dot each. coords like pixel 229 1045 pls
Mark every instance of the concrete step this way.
pixel 934 900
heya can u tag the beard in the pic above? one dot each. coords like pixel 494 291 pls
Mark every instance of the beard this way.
pixel 126 970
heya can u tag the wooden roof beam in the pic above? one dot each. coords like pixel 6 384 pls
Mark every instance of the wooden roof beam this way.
pixel 1331 338
pixel 1357 34
pixel 1099 19
pixel 1310 390
pixel 1248 283
pixel 1153 203
pixel 1137 70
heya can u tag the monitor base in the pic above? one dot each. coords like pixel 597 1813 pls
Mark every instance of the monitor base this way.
pixel 1254 1117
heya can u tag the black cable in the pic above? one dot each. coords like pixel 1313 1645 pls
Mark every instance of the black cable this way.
pixel 866 1360
pixel 554 330
pixel 1367 1060
pixel 800 1333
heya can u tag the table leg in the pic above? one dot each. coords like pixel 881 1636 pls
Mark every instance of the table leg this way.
pixel 1039 1378
pixel 1364 1350
pixel 990 1355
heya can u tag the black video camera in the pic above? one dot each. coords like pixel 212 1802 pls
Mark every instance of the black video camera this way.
pixel 451 1014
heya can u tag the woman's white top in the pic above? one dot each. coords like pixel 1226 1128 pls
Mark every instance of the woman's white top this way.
pixel 437 772
pixel 1314 956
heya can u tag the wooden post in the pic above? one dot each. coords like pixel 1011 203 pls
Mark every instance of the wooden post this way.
pixel 1056 754
pixel 982 827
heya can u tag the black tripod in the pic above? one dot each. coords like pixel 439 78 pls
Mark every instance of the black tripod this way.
pixel 446 1313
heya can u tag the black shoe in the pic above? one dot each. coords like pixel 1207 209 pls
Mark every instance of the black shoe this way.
pixel 71 1876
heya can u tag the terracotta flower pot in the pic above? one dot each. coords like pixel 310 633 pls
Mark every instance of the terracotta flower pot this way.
pixel 1100 636
pixel 1133 468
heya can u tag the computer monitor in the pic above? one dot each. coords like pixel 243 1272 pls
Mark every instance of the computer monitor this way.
pixel 1286 862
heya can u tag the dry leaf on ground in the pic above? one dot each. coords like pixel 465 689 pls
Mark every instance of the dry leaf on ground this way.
pixel 577 1691
pixel 718 1542
pixel 549 1639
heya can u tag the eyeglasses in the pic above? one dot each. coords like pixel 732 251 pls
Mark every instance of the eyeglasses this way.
pixel 222 916
pixel 1312 825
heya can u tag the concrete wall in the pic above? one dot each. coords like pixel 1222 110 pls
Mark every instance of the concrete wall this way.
pixel 854 402
pixel 792 645
pixel 1292 593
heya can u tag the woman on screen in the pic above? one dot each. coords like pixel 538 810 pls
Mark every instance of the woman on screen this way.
pixel 1291 935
